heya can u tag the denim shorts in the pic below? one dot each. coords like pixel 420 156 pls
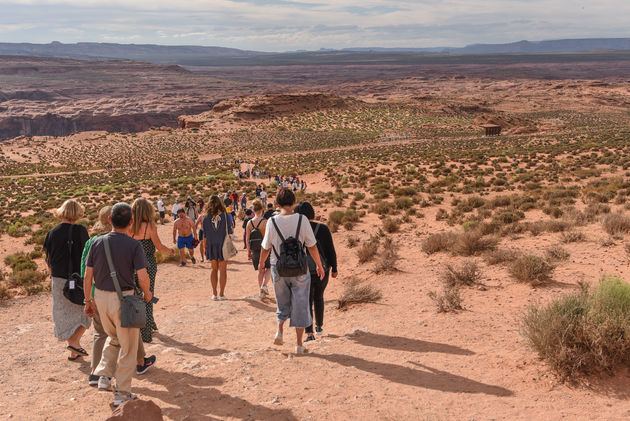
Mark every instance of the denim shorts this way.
pixel 292 298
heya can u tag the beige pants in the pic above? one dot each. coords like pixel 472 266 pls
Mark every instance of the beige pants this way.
pixel 100 336
pixel 121 347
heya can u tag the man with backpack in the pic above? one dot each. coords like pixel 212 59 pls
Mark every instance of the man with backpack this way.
pixel 285 239
pixel 254 234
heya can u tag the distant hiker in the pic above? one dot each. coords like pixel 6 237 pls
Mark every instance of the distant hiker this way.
pixel 176 207
pixel 244 201
pixel 303 186
pixel 191 209
pixel 200 203
pixel 328 257
pixel 249 214
pixel 258 190
pixel 103 227
pixel 161 210
pixel 127 256
pixel 269 212
pixel 235 201
pixel 63 246
pixel 287 234
pixel 216 225
pixel 255 232
pixel 183 235
pixel 263 197
pixel 144 230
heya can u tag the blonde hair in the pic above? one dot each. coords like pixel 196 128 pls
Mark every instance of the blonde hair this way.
pixel 141 211
pixel 70 210
pixel 257 205
pixel 215 205
pixel 103 226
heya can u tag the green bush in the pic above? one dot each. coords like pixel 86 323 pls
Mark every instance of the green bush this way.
pixel 584 332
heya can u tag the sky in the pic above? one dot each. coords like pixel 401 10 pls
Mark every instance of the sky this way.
pixel 288 25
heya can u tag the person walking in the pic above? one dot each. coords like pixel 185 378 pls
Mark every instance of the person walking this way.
pixel 144 230
pixel 328 256
pixel 183 235
pixel 161 210
pixel 176 207
pixel 255 232
pixel 191 209
pixel 103 227
pixel 63 246
pixel 292 292
pixel 216 225
pixel 121 347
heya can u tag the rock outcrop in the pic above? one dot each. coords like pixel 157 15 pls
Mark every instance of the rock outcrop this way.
pixel 137 410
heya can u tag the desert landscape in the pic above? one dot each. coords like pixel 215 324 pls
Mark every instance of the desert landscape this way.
pixel 455 238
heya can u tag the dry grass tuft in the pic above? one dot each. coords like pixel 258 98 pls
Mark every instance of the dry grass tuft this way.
pixel 573 237
pixel 357 292
pixel 368 250
pixel 448 300
pixel 498 256
pixel 439 242
pixel 387 257
pixel 616 223
pixel 467 273
pixel 557 253
pixel 166 257
pixel 472 243
pixel 531 269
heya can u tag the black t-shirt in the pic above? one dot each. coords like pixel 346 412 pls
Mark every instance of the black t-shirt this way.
pixel 57 252
pixel 326 245
pixel 268 214
pixel 127 256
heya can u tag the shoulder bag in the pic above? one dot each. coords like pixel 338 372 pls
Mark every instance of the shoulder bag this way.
pixel 229 250
pixel 73 288
pixel 133 309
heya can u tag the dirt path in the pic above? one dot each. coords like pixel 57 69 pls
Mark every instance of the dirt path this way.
pixel 396 360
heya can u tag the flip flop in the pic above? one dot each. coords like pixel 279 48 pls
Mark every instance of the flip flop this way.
pixel 79 351
pixel 74 358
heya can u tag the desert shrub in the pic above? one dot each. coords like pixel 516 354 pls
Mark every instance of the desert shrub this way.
pixel 616 223
pixel 368 250
pixel 495 257
pixel 448 300
pixel 441 215
pixel 352 242
pixel 532 269
pixel 5 294
pixel 584 332
pixel 27 277
pixel 573 237
pixel 391 225
pixel 509 217
pixel 556 252
pixel 607 241
pixel 467 273
pixel 355 292
pixel 472 243
pixel 439 242
pixel 403 202
pixel 387 257
pixel 166 257
pixel 383 208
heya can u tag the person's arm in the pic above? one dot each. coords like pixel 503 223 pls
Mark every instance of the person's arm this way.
pixel 248 230
pixel 158 243
pixel 328 248
pixel 145 283
pixel 192 227
pixel 175 232
pixel 90 308
pixel 264 253
pixel 86 249
pixel 230 222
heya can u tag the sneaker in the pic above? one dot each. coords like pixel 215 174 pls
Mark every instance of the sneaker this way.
pixel 309 338
pixel 93 380
pixel 201 260
pixel 120 398
pixel 319 331
pixel 148 363
pixel 192 259
pixel 300 349
pixel 182 264
pixel 215 298
pixel 104 384
pixel 223 298
pixel 264 289
pixel 278 339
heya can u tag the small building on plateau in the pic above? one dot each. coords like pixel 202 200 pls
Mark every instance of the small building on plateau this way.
pixel 492 129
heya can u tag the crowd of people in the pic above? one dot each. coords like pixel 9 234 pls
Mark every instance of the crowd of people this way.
pixel 285 244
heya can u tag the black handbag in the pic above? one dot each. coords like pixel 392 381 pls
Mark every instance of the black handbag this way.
pixel 73 289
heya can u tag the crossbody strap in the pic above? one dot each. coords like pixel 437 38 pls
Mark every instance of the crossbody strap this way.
pixel 110 264
pixel 70 243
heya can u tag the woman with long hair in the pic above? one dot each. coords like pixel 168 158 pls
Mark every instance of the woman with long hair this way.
pixel 144 229
pixel 216 225
pixel 255 232
pixel 63 246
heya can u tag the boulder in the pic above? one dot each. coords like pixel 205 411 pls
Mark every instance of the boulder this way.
pixel 137 410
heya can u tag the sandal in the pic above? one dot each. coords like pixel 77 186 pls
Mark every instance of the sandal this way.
pixel 75 357
pixel 79 351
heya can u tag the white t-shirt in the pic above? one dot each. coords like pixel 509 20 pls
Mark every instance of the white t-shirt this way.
pixel 263 196
pixel 287 225
pixel 176 207
pixel 160 206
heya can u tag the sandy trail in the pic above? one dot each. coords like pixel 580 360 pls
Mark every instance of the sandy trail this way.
pixel 394 360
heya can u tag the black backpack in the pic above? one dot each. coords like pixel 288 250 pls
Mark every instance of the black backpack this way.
pixel 292 258
pixel 312 266
pixel 255 237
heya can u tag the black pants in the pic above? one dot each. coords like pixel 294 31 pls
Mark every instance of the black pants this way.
pixel 316 300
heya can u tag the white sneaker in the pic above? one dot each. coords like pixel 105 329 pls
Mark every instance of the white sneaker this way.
pixel 104 384
pixel 265 289
pixel 120 398
pixel 300 349
pixel 223 298
pixel 215 298
pixel 278 339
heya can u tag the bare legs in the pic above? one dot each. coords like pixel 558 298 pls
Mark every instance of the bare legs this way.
pixel 218 277
pixel 263 279
pixel 75 340
pixel 182 256
pixel 299 332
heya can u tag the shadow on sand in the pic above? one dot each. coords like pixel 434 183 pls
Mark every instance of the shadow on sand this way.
pixel 195 398
pixel 428 378
pixel 404 344
pixel 188 347
pixel 258 304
